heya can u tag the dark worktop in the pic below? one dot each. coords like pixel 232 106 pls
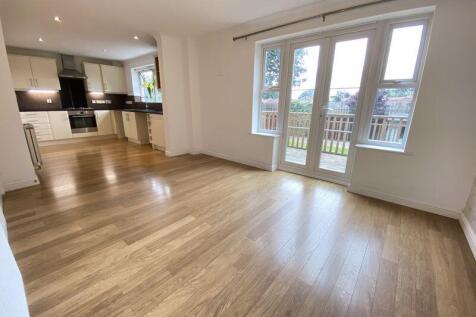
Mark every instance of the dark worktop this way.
pixel 153 111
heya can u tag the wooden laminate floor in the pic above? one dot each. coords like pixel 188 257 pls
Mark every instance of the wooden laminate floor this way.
pixel 118 230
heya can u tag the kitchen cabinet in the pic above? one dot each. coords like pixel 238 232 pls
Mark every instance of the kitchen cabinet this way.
pixel 60 127
pixel 156 131
pixel 105 78
pixel 117 123
pixel 113 79
pixel 104 122
pixel 41 123
pixel 45 73
pixel 29 72
pixel 135 127
pixel 21 71
pixel 94 80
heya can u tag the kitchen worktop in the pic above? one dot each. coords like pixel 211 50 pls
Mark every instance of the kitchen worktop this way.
pixel 152 111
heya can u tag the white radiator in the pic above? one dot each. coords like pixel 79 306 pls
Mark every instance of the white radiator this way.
pixel 32 145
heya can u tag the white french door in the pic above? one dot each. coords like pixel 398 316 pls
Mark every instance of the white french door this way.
pixel 325 79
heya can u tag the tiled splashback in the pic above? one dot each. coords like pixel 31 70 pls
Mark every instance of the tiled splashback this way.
pixel 29 100
pixel 45 101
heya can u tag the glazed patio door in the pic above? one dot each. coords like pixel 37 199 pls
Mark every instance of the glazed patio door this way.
pixel 324 80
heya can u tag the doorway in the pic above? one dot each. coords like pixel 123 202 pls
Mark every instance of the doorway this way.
pixel 324 81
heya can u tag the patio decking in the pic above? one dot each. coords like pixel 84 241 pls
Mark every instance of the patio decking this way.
pixel 331 162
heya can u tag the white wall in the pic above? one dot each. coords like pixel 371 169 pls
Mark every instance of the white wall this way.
pixel 441 165
pixel 437 173
pixel 130 64
pixel 174 78
pixel 468 220
pixel 16 168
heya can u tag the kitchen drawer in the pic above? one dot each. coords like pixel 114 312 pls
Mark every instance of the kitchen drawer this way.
pixel 39 126
pixel 43 131
pixel 45 137
pixel 40 115
pixel 35 121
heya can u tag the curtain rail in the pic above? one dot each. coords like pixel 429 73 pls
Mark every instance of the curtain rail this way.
pixel 318 16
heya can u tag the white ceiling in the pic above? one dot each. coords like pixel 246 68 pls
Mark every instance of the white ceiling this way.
pixel 91 26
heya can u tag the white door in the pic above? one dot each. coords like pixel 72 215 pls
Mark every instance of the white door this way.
pixel 94 80
pixel 325 77
pixel 59 122
pixel 113 79
pixel 21 72
pixel 45 73
pixel 104 122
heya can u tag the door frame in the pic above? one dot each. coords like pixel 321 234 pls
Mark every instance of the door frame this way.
pixel 326 56
pixel 320 75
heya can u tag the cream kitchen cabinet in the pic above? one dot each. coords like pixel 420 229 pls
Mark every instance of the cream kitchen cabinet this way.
pixel 105 78
pixel 135 127
pixel 41 122
pixel 113 79
pixel 29 72
pixel 104 122
pixel 60 127
pixel 156 131
pixel 94 80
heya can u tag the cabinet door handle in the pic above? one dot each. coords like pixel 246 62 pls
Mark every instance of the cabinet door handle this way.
pixel 36 83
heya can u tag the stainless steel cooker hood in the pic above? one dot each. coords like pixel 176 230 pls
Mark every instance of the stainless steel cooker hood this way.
pixel 69 69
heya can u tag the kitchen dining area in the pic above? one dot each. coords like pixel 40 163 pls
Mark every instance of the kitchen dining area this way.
pixel 66 99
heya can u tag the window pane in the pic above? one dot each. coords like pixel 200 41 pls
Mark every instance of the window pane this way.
pixel 269 110
pixel 347 70
pixel 272 67
pixel 147 84
pixel 403 54
pixel 390 115
pixel 305 63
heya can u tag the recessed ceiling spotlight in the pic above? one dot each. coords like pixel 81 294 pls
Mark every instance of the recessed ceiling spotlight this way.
pixel 40 39
pixel 136 37
pixel 104 50
pixel 58 19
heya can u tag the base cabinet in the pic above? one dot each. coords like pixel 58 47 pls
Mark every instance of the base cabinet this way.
pixel 156 131
pixel 135 127
pixel 41 122
pixel 104 122
pixel 59 122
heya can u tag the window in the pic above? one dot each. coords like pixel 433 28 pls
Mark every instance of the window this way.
pixel 270 87
pixel 398 83
pixel 145 84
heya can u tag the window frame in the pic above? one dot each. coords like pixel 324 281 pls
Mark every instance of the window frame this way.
pixel 278 88
pixel 381 83
pixel 137 72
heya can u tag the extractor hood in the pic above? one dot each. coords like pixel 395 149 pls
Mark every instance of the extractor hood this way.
pixel 69 69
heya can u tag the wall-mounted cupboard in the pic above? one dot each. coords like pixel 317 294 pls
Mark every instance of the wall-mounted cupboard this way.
pixel 31 72
pixel 105 78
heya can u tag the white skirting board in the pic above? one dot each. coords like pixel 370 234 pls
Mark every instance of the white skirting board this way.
pixel 257 164
pixel 21 184
pixel 469 233
pixel 365 191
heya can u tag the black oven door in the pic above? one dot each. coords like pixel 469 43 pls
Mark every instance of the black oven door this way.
pixel 82 123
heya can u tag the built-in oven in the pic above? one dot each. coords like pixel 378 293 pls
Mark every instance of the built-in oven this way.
pixel 82 121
